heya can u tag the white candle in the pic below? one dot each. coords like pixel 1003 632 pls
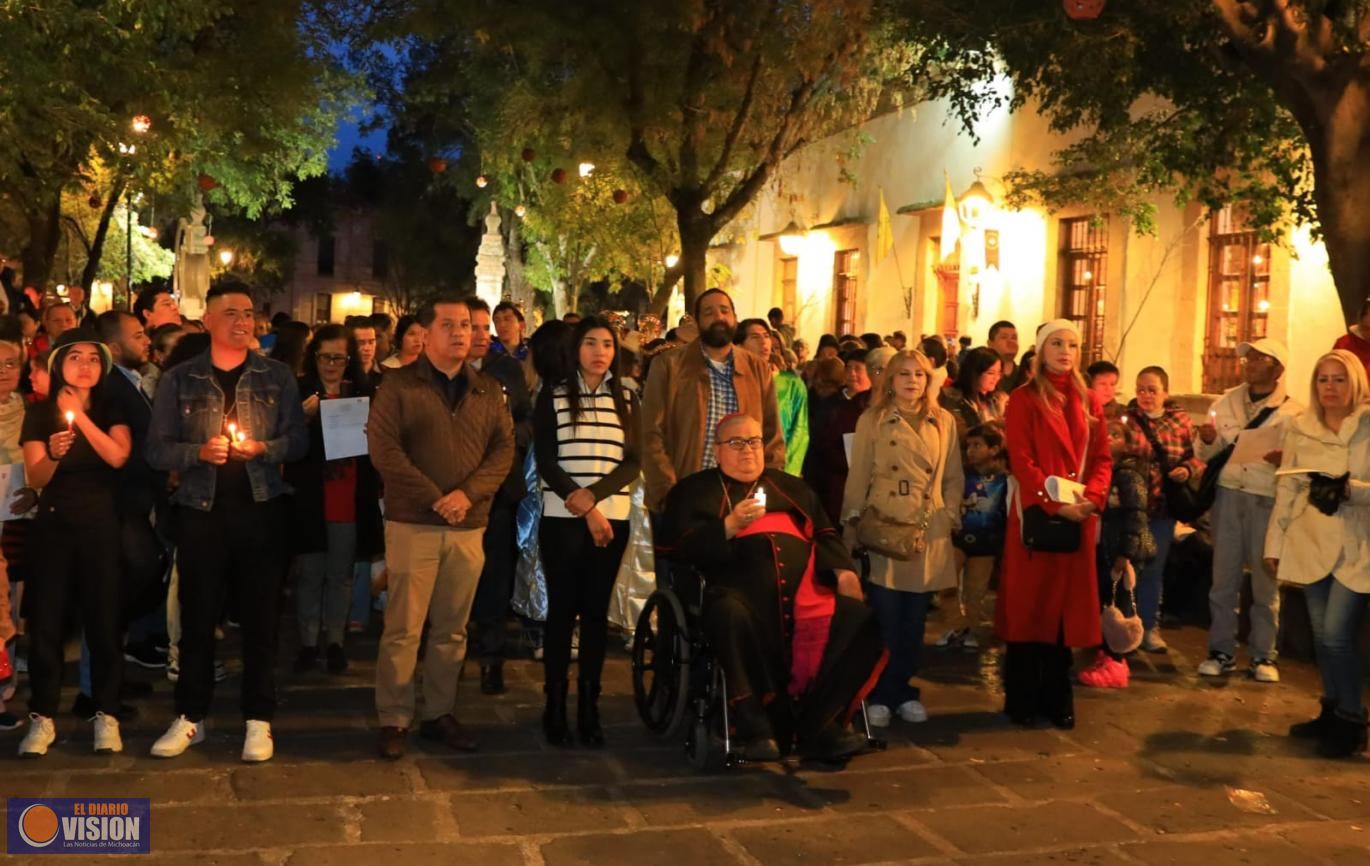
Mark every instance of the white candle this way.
pixel 71 418
pixel 760 496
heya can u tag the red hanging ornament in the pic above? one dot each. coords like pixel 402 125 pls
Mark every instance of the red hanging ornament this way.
pixel 437 165
pixel 1083 10
pixel 94 202
pixel 206 182
pixel 558 175
pixel 620 196
pixel 529 154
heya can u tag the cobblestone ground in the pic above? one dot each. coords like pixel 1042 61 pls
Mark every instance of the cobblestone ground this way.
pixel 1172 771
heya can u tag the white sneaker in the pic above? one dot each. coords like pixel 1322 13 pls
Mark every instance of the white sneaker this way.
pixel 173 670
pixel 107 739
pixel 913 712
pixel 42 733
pixel 258 745
pixel 948 639
pixel 1217 664
pixel 182 734
pixel 878 715
pixel 1265 671
pixel 968 640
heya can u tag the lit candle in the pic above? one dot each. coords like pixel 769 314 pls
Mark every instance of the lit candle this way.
pixel 760 496
pixel 71 419
pixel 232 430
pixel 239 436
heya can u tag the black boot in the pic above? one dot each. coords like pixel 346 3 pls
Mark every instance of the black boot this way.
pixel 554 724
pixel 1022 684
pixel 1343 736
pixel 492 678
pixel 587 713
pixel 1313 728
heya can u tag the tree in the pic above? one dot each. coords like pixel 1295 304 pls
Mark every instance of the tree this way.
pixel 238 91
pixel 1262 103
pixel 704 99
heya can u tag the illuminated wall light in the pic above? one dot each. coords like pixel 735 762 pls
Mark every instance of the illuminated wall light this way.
pixel 1263 305
pixel 354 299
pixel 1257 259
pixel 587 169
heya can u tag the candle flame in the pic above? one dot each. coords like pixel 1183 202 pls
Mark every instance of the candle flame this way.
pixel 71 416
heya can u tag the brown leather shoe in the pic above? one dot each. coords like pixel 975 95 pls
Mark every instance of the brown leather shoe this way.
pixel 391 742
pixel 448 731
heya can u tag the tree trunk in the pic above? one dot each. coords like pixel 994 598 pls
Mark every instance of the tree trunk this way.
pixel 696 233
pixel 45 233
pixel 97 246
pixel 1340 149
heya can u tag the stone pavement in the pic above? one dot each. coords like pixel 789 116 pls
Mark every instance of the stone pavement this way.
pixel 1172 771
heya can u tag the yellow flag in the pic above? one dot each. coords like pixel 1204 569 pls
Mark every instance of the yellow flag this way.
pixel 951 223
pixel 884 231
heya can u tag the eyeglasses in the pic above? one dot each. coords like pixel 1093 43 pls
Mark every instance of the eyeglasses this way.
pixel 743 444
pixel 331 359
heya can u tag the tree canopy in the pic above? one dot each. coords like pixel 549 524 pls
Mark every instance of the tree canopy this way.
pixel 1263 103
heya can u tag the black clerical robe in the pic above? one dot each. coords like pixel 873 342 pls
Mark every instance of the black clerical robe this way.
pixel 771 612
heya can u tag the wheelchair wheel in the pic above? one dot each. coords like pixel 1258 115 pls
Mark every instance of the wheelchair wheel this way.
pixel 705 745
pixel 661 665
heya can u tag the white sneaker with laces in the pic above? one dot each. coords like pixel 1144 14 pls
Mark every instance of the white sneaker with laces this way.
pixel 42 733
pixel 107 739
pixel 258 745
pixel 878 715
pixel 1216 665
pixel 182 734
pixel 1265 671
pixel 913 712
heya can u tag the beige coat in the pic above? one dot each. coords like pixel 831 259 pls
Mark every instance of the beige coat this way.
pixel 676 404
pixel 1311 545
pixel 896 469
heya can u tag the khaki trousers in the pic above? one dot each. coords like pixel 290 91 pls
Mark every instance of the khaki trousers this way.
pixel 976 573
pixel 434 571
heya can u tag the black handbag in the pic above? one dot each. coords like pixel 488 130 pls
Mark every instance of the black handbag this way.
pixel 1181 497
pixel 1208 484
pixel 1047 534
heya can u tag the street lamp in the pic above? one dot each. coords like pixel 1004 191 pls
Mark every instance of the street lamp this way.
pixel 140 125
pixel 975 203
pixel 672 260
pixel 225 257
pixel 792 239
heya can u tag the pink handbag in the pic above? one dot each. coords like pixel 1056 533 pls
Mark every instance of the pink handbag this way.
pixel 1122 634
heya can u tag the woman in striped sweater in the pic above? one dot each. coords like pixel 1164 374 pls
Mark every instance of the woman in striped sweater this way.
pixel 585 442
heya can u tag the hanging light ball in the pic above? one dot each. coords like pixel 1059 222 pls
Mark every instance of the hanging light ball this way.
pixel 437 165
pixel 558 175
pixel 520 211
pixel 529 154
pixel 141 123
pixel 620 196
pixel 94 202
pixel 482 181
pixel 206 182
pixel 1083 10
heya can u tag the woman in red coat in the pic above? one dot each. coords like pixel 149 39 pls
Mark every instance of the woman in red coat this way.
pixel 1049 602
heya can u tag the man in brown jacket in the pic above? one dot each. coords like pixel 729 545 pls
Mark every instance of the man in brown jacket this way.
pixel 443 442
pixel 691 389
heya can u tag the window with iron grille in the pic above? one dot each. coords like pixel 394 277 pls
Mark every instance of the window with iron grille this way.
pixel 789 285
pixel 1084 269
pixel 844 289
pixel 1238 295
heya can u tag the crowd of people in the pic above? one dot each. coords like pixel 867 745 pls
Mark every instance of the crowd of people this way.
pixel 177 480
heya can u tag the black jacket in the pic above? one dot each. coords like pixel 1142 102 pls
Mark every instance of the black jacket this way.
pixel 508 371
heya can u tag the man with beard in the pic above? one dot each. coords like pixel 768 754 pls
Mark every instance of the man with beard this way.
pixel 692 388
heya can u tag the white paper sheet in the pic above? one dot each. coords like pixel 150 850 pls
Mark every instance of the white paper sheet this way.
pixel 847 440
pixel 344 426
pixel 1064 490
pixel 11 482
pixel 1253 445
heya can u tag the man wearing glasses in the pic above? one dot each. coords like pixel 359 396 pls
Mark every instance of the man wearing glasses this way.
pixel 782 605
pixel 1260 409
pixel 226 421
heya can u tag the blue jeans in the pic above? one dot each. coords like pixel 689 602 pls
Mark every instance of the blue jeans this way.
pixel 361 593
pixel 1151 578
pixel 903 617
pixel 1335 613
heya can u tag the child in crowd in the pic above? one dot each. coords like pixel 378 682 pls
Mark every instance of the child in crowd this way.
pixel 980 539
pixel 1124 538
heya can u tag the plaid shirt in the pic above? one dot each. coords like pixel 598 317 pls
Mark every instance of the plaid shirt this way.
pixel 722 400
pixel 1175 433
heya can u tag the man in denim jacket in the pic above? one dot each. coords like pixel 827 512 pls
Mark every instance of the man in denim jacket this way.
pixel 225 421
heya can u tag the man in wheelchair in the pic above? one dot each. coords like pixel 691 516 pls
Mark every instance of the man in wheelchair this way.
pixel 783 611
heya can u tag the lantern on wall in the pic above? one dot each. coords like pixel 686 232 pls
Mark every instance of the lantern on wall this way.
pixel 1083 10
pixel 792 239
pixel 975 203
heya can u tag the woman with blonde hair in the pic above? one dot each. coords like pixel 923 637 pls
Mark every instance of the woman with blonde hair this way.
pixel 1060 465
pixel 902 499
pixel 1319 538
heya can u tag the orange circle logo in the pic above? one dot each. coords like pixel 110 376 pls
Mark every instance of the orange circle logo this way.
pixel 38 825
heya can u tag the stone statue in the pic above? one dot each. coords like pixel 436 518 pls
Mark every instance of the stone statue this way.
pixel 490 261
pixel 191 275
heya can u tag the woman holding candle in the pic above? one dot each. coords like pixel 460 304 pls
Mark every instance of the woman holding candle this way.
pixel 76 470
pixel 335 516
pixel 587 455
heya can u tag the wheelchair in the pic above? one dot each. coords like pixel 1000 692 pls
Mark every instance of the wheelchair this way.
pixel 678 685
